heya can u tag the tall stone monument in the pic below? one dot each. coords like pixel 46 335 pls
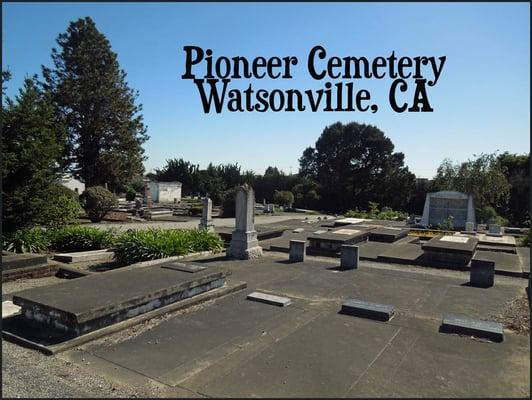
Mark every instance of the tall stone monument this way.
pixel 206 215
pixel 441 205
pixel 244 244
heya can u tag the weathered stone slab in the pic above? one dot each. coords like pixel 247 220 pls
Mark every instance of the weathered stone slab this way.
pixel 453 323
pixel 9 309
pixel 298 230
pixel 297 250
pixel 388 234
pixel 82 305
pixel 348 221
pixel 482 273
pixel 450 250
pixel 23 260
pixel 332 241
pixel 364 309
pixel 82 256
pixel 269 299
pixel 185 267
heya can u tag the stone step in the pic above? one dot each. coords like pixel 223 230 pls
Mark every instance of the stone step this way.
pixel 269 299
pixel 463 325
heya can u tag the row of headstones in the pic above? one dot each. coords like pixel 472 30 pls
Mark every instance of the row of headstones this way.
pixel 493 229
pixel 482 272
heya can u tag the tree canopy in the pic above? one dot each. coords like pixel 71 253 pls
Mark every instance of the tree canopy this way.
pixel 91 95
pixel 355 164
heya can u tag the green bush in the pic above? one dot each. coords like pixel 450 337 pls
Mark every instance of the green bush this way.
pixel 131 194
pixel 525 241
pixel 31 240
pixel 447 224
pixel 141 245
pixel 284 198
pixel 228 202
pixel 61 208
pixel 385 214
pixel 81 238
pixel 98 201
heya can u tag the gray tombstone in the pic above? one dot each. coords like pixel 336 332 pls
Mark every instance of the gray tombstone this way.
pixel 206 215
pixel 297 251
pixel 440 206
pixel 494 229
pixel 349 256
pixel 244 244
pixel 482 273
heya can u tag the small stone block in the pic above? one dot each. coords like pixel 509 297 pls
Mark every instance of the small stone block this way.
pixel 470 226
pixel 269 299
pixel 473 327
pixel 9 309
pixel 297 251
pixel 184 267
pixel 363 309
pixel 298 230
pixel 482 273
pixel 349 256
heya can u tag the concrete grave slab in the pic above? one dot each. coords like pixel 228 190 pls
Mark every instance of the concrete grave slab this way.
pixel 82 305
pixel 364 309
pixel 449 250
pixel 464 325
pixel 84 256
pixel 505 263
pixel 269 299
pixel 21 260
pixel 388 234
pixel 402 254
pixel 185 267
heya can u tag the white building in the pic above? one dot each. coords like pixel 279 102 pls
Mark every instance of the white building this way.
pixel 165 192
pixel 72 183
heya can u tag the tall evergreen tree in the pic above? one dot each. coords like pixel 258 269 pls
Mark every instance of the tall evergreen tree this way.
pixel 32 142
pixel 105 127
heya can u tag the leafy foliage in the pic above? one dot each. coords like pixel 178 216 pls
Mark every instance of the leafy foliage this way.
pixel 516 168
pixel 61 209
pixel 31 240
pixel 284 198
pixel 386 213
pixel 355 164
pixel 32 143
pixel 97 201
pixel 228 202
pixel 482 177
pixel 92 97
pixel 80 238
pixel 130 194
pixel 142 245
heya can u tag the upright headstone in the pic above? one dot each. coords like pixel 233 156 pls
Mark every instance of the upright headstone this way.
pixel 349 257
pixel 147 195
pixel 244 244
pixel 297 251
pixel 494 229
pixel 206 215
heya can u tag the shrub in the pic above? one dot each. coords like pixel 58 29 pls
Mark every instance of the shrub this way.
pixel 385 214
pixel 31 240
pixel 61 208
pixel 98 201
pixel 228 202
pixel 81 238
pixel 447 224
pixel 284 198
pixel 131 194
pixel 525 241
pixel 141 245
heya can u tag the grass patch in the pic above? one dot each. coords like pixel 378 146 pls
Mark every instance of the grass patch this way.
pixel 142 245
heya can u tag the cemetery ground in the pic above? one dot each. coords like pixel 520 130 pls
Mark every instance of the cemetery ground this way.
pixel 228 345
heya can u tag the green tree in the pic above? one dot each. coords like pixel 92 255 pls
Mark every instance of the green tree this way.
pixel 91 95
pixel 33 141
pixel 355 164
pixel 483 177
pixel 97 201
pixel 181 171
pixel 306 195
pixel 516 168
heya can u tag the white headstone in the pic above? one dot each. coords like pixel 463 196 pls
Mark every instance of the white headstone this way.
pixel 244 243
pixel 206 215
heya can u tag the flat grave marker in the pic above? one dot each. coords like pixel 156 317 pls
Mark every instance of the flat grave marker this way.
pixel 269 299
pixel 464 325
pixel 364 309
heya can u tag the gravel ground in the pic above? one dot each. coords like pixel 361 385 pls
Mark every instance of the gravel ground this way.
pixel 28 373
pixel 28 283
pixel 516 317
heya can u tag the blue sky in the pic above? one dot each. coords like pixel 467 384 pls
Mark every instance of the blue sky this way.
pixel 481 102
